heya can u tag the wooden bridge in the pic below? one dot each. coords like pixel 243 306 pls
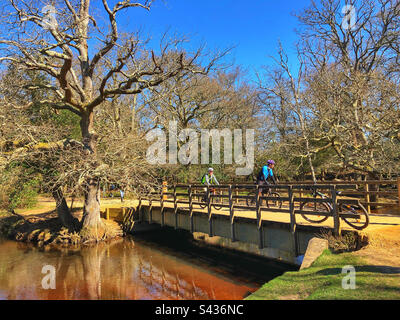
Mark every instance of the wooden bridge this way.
pixel 278 230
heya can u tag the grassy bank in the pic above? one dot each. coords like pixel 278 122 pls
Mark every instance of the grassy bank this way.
pixel 323 280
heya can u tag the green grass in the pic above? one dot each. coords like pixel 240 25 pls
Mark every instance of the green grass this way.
pixel 323 281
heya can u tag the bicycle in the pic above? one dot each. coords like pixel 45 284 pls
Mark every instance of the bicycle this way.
pixel 205 200
pixel 355 215
pixel 265 192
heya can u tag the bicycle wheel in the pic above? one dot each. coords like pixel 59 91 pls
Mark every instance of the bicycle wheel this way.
pixel 277 202
pixel 203 203
pixel 251 202
pixel 315 206
pixel 217 206
pixel 355 216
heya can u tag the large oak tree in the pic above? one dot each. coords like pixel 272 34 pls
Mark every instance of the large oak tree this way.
pixel 77 44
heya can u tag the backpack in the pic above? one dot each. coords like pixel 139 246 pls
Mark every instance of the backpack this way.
pixel 260 175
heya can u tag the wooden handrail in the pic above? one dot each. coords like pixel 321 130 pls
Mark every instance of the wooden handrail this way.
pixel 230 193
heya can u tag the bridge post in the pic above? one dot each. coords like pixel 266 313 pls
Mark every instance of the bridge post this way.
pixel 191 208
pixel 210 232
pixel 150 210
pixel 367 198
pixel 293 221
pixel 335 212
pixel 259 220
pixel 231 214
pixel 162 207
pixel 175 208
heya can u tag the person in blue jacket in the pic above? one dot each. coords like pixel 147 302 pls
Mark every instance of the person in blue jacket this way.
pixel 266 175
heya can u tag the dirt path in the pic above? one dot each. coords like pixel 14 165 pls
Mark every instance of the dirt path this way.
pixel 383 248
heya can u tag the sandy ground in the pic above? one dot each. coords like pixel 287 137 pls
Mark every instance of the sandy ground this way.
pixel 383 248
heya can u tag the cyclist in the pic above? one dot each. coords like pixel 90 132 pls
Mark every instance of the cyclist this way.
pixel 209 179
pixel 265 175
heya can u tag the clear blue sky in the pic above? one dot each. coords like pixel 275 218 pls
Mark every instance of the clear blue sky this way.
pixel 254 28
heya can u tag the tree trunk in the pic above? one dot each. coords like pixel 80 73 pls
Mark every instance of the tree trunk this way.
pixel 92 226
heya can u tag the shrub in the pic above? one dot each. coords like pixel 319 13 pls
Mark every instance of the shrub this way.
pixel 24 195
pixel 343 243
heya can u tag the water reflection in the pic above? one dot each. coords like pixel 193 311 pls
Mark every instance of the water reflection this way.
pixel 122 269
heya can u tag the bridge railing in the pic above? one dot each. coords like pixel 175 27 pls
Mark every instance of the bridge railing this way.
pixel 379 197
pixel 236 197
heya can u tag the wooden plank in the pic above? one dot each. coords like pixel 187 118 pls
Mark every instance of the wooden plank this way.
pixel 367 198
pixel 335 213
pixel 210 230
pixel 175 208
pixel 338 183
pixel 231 214
pixel 379 204
pixel 162 207
pixel 259 221
pixel 312 199
pixel 362 193
pixel 191 209
pixel 293 222
pixel 150 211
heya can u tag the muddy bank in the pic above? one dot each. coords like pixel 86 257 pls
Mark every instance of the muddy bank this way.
pixel 46 229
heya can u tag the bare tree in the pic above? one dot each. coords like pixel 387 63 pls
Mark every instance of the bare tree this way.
pixel 67 43
pixel 353 79
pixel 284 98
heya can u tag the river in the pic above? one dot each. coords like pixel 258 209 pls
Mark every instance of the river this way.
pixel 156 266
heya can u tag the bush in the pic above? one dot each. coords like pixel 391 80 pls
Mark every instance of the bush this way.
pixel 17 191
pixel 24 195
pixel 343 243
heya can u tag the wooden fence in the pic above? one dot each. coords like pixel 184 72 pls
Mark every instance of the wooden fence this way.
pixel 375 195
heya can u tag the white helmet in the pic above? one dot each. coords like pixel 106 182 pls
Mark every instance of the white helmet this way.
pixel 210 169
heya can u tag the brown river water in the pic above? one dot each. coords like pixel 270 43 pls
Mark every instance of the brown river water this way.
pixel 158 266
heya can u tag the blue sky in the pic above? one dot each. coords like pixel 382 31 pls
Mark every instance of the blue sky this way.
pixel 254 28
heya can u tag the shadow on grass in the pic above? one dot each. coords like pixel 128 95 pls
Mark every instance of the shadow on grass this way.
pixel 371 269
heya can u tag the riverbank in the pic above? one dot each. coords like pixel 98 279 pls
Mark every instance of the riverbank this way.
pixel 377 274
pixel 40 224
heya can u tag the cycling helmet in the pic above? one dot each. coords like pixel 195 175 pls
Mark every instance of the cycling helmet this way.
pixel 270 162
pixel 210 169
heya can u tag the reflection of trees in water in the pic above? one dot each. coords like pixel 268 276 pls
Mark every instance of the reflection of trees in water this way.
pixel 115 270
pixel 158 280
